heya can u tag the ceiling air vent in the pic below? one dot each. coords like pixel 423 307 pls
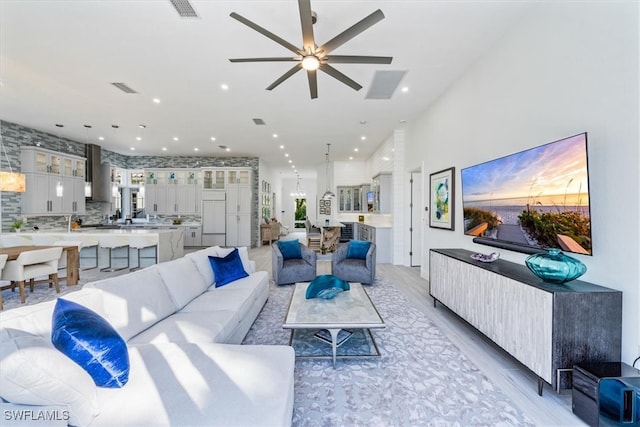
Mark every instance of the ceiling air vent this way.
pixel 123 87
pixel 384 84
pixel 259 122
pixel 184 8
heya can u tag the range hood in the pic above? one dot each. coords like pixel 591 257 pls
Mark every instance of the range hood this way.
pixel 99 173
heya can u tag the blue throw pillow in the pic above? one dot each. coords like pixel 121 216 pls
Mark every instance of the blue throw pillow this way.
pixel 358 249
pixel 91 342
pixel 290 249
pixel 326 286
pixel 227 269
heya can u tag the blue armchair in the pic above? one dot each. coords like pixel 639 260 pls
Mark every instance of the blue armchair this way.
pixel 293 270
pixel 354 269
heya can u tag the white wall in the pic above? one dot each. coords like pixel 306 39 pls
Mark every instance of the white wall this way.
pixel 568 68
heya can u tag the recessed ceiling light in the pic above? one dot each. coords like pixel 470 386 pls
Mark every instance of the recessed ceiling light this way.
pixel 282 147
pixel 224 87
pixel 385 158
pixel 293 166
pixel 275 135
pixel 405 89
pixel 156 100
pixel 196 149
pixel 101 138
pixel 138 138
pixel 290 161
pixel 350 157
pixel 227 149
pixel 355 149
pixel 213 138
pixel 286 154
pixel 133 148
pixel 175 138
pixel 164 148
pixel 363 137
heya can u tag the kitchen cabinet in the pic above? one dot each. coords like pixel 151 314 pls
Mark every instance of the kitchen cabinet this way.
pixel 214 180
pixel 193 236
pixel 239 208
pixel 381 187
pixel 352 198
pixel 381 236
pixel 44 171
pixel 173 191
pixel 214 218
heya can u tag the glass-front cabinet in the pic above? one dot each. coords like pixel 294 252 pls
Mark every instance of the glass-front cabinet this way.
pixel 352 198
pixel 213 180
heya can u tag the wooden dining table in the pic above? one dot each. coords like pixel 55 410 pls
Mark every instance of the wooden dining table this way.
pixel 73 259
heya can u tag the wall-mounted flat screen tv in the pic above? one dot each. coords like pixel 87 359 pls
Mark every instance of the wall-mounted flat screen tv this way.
pixel 532 200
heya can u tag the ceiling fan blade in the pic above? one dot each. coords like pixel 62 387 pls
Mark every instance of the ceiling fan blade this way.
pixel 285 76
pixel 339 76
pixel 351 59
pixel 278 59
pixel 313 83
pixel 308 41
pixel 352 31
pixel 266 33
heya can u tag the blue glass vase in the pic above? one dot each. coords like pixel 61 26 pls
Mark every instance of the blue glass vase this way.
pixel 554 266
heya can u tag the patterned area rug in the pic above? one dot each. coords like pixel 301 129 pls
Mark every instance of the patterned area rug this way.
pixel 422 379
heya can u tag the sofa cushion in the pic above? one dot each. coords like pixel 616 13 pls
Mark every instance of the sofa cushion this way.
pixel 203 385
pixel 195 327
pixel 201 260
pixel 228 268
pixel 33 372
pixel 182 279
pixel 91 342
pixel 290 249
pixel 135 301
pixel 358 249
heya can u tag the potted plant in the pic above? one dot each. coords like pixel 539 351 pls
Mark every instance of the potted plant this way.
pixel 17 225
pixel 323 249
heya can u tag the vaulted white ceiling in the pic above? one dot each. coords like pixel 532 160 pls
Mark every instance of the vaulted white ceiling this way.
pixel 58 59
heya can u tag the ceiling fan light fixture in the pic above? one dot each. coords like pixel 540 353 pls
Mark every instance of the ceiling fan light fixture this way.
pixel 310 63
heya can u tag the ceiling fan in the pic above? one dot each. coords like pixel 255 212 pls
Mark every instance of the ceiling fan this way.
pixel 312 57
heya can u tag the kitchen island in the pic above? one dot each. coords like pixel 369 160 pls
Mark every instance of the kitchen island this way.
pixel 168 241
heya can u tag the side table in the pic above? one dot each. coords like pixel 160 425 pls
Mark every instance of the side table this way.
pixel 323 264
pixel 606 393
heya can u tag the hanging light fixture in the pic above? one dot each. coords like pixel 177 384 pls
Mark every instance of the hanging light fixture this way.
pixel 299 193
pixel 327 194
pixel 11 181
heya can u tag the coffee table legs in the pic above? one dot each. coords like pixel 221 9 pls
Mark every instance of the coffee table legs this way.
pixel 334 344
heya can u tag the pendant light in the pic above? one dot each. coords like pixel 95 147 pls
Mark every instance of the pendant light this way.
pixel 327 194
pixel 11 181
pixel 298 194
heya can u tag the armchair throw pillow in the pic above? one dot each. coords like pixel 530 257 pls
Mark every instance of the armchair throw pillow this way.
pixel 358 249
pixel 290 249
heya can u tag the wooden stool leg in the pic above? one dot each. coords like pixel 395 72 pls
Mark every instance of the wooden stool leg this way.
pixel 56 282
pixel 1 302
pixel 31 284
pixel 21 286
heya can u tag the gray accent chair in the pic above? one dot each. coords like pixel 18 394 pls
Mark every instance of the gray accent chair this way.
pixel 354 270
pixel 286 271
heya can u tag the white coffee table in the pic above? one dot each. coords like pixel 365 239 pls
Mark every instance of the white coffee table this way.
pixel 351 309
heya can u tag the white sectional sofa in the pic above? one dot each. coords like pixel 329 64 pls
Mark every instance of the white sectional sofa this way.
pixel 181 334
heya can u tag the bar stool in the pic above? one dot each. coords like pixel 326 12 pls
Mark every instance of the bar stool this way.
pixel 140 242
pixel 86 242
pixel 113 243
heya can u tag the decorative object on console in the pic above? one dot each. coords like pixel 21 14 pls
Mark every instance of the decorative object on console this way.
pixel 90 341
pixel 485 258
pixel 554 266
pixel 326 286
pixel 442 199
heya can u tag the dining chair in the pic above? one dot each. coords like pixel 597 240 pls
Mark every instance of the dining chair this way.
pixel 4 284
pixel 32 264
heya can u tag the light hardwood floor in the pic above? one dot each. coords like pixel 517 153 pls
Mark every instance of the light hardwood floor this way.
pixel 516 381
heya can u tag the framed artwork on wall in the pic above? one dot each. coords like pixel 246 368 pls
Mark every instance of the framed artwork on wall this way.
pixel 321 203
pixel 442 199
pixel 322 211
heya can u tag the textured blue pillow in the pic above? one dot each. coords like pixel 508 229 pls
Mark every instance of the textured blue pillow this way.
pixel 91 342
pixel 227 269
pixel 326 286
pixel 358 249
pixel 290 249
